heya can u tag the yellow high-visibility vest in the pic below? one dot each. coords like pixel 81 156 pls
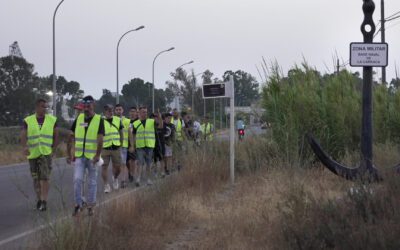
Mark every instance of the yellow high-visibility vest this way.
pixel 126 122
pixel 206 130
pixel 86 141
pixel 112 136
pixel 178 128
pixel 145 135
pixel 40 140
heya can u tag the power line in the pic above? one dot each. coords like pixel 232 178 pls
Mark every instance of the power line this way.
pixel 393 18
pixel 392 15
pixel 377 32
pixel 391 26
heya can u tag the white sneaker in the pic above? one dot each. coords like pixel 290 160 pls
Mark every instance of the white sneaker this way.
pixel 107 188
pixel 116 183
pixel 149 182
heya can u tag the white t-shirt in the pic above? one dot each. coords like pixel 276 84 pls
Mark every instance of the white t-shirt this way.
pixel 196 126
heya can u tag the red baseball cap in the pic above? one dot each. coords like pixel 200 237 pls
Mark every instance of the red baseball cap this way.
pixel 79 106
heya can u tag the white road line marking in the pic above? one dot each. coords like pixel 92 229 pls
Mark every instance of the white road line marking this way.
pixel 44 226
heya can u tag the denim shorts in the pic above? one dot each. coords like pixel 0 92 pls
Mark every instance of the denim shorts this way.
pixel 124 154
pixel 144 156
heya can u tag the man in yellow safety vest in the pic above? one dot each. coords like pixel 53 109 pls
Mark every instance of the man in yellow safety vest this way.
pixel 119 112
pixel 113 140
pixel 179 124
pixel 87 133
pixel 207 130
pixel 39 139
pixel 144 138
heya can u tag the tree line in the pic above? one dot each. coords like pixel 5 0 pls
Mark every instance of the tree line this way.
pixel 20 86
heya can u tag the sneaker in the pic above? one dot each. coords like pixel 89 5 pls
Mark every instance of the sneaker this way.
pixel 167 172
pixel 84 204
pixel 38 203
pixel 115 183
pixel 179 167
pixel 43 206
pixel 107 188
pixel 149 182
pixel 137 184
pixel 77 210
pixel 123 184
pixel 90 211
pixel 130 178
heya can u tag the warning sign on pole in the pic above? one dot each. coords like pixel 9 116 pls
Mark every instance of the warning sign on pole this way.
pixel 369 54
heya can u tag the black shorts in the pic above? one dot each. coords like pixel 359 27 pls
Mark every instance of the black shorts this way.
pixel 159 152
pixel 131 156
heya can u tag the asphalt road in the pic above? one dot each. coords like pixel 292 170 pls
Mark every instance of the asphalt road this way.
pixel 17 214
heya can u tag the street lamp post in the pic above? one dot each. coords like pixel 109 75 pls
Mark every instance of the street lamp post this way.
pixel 190 62
pixel 54 59
pixel 119 41
pixel 154 61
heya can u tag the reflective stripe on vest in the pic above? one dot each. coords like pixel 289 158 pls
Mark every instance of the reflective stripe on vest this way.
pixel 86 141
pixel 145 136
pixel 206 131
pixel 178 128
pixel 112 136
pixel 40 140
pixel 126 122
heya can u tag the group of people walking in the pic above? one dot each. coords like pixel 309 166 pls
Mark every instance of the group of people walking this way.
pixel 138 148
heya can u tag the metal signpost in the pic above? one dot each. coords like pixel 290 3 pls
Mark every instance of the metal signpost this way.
pixel 366 55
pixel 225 90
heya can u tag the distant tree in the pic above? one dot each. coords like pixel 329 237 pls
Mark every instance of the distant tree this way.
pixel 136 93
pixel 394 84
pixel 18 90
pixel 106 98
pixel 66 90
pixel 246 87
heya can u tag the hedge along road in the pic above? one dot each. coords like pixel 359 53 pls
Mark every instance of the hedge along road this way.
pixel 18 219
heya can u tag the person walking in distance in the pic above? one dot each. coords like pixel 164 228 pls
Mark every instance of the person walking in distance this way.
pixel 159 150
pixel 39 139
pixel 144 138
pixel 169 136
pixel 131 159
pixel 113 140
pixel 207 130
pixel 119 112
pixel 87 133
pixel 179 125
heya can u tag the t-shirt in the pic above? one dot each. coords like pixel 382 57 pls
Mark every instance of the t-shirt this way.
pixel 87 122
pixel 189 129
pixel 40 121
pixel 239 124
pixel 169 133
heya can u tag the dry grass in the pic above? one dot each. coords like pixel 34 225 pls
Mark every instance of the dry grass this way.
pixel 12 154
pixel 272 206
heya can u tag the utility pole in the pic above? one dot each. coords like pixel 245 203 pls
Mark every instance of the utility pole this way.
pixel 383 36
pixel 337 67
pixel 214 115
pixel 220 113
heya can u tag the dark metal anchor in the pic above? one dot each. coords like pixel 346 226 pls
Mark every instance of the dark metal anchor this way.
pixel 366 170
